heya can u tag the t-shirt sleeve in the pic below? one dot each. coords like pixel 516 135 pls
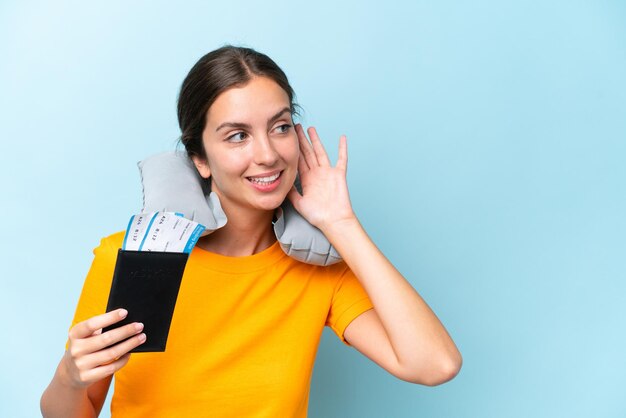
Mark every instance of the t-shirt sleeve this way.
pixel 95 294
pixel 349 301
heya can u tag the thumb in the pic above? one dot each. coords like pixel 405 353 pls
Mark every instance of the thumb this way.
pixel 294 196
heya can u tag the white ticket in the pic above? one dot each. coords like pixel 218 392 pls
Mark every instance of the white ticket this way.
pixel 136 230
pixel 162 231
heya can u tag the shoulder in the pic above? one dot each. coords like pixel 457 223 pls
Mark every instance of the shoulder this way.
pixel 115 237
pixel 333 274
pixel 110 243
pixel 338 270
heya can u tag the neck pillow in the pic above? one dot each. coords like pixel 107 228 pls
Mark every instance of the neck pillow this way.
pixel 171 183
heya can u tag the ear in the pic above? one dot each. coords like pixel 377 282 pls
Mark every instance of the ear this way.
pixel 202 166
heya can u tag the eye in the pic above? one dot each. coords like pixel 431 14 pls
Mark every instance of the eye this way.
pixel 284 128
pixel 238 137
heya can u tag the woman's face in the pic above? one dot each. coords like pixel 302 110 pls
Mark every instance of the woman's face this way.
pixel 251 146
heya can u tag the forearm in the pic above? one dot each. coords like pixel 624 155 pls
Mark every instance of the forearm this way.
pixel 418 338
pixel 64 401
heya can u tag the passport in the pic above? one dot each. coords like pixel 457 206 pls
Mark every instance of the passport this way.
pixel 146 284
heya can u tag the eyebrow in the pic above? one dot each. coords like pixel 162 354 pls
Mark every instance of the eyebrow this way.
pixel 245 125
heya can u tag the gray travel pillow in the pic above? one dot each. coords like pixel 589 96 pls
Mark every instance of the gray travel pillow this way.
pixel 172 183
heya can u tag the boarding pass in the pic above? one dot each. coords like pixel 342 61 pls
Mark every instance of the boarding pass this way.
pixel 161 231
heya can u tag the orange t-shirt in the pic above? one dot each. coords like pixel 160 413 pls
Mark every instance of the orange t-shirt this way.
pixel 243 338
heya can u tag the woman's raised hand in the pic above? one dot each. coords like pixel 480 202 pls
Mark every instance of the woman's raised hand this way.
pixel 93 355
pixel 325 199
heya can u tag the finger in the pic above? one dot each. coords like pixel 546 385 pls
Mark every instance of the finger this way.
pixel 99 373
pixel 106 339
pixel 306 150
pixel 85 346
pixel 111 354
pixel 294 197
pixel 88 327
pixel 342 157
pixel 303 167
pixel 318 148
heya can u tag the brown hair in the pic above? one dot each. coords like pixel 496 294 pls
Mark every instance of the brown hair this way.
pixel 221 69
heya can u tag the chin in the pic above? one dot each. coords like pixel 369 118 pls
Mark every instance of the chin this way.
pixel 270 203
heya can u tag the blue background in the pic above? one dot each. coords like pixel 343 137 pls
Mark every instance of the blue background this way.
pixel 487 145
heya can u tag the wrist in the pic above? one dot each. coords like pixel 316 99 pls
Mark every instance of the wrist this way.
pixel 341 228
pixel 64 377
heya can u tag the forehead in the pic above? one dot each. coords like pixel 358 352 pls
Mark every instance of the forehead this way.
pixel 259 99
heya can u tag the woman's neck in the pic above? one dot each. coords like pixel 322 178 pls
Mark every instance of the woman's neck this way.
pixel 244 234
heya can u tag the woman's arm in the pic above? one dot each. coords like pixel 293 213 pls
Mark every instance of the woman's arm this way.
pixel 401 333
pixel 60 399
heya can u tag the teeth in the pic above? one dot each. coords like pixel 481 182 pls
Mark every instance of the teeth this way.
pixel 264 179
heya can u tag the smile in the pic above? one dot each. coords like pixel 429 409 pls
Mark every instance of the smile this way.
pixel 265 180
pixel 265 183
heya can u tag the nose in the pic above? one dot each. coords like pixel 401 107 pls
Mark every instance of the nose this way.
pixel 264 151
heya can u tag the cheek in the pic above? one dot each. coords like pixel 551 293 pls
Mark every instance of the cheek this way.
pixel 227 164
pixel 234 165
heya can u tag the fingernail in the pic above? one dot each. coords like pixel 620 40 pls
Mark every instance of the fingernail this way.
pixel 142 337
pixel 123 312
pixel 138 326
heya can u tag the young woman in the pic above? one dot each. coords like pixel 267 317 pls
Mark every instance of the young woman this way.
pixel 248 318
